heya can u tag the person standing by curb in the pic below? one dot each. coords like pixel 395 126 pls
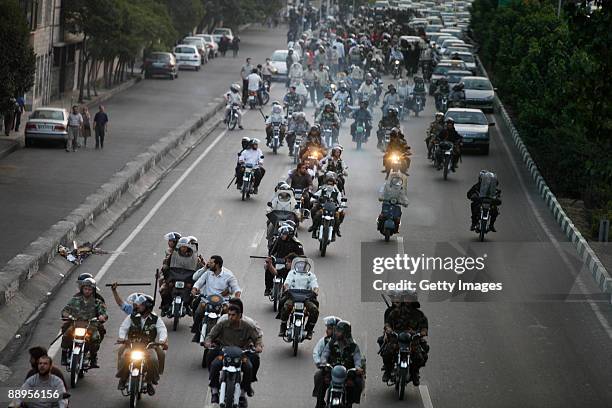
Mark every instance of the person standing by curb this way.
pixel 75 124
pixel 86 124
pixel 236 45
pixel 19 109
pixel 100 127
pixel 244 73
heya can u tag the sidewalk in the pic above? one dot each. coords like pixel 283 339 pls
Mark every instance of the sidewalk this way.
pixel 41 185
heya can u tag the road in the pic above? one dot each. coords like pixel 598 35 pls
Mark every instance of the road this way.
pixel 516 348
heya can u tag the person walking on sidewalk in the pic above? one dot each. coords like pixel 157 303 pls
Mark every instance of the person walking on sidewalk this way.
pixel 86 124
pixel 75 124
pixel 244 73
pixel 9 116
pixel 100 125
pixel 19 109
pixel 236 45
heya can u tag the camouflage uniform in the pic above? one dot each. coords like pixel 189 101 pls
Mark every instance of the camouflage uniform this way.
pixel 84 309
pixel 434 128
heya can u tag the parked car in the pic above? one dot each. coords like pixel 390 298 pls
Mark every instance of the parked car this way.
pixel 187 56
pixel 218 33
pixel 278 60
pixel 161 63
pixel 213 47
pixel 454 76
pixel 46 124
pixel 200 44
pixel 479 93
pixel 473 125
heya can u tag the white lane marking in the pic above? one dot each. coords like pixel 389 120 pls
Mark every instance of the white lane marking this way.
pixel 579 281
pixel 56 346
pixel 257 238
pixel 400 244
pixel 425 397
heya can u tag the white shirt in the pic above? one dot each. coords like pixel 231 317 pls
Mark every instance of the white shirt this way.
pixel 232 97
pixel 254 82
pixel 317 351
pixel 75 119
pixel 216 284
pixel 162 332
pixel 306 281
pixel 250 156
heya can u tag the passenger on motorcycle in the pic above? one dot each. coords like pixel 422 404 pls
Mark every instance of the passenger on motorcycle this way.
pixel 342 98
pixel 301 277
pixel 233 98
pixel 419 91
pixel 313 139
pixel 276 118
pixel 142 327
pixel 253 156
pixel 184 257
pixel 434 128
pixel 441 89
pixel 214 279
pixel 317 351
pixel 284 245
pixel 457 96
pixel 327 99
pixel 297 125
pixel 487 187
pixel 391 99
pixel 328 191
pixel 367 90
pixel 329 118
pixel 362 115
pixel 451 135
pixel 335 164
pixel 292 100
pixel 389 121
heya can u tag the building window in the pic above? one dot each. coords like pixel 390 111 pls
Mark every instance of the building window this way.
pixel 32 11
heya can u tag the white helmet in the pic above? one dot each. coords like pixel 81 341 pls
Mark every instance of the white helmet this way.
pixel 301 265
pixel 235 88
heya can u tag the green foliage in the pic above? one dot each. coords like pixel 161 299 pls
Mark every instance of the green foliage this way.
pixel 18 60
pixel 554 75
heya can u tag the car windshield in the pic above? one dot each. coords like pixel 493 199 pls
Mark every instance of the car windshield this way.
pixel 192 41
pixel 279 56
pixel 468 118
pixel 455 77
pixel 160 57
pixel 207 38
pixel 466 57
pixel 47 114
pixel 221 31
pixel 478 84
pixel 184 50
pixel 441 70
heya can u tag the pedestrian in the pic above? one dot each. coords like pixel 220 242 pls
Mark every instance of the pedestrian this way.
pixel 86 124
pixel 223 44
pixel 9 116
pixel 36 353
pixel 19 109
pixel 236 45
pixel 75 124
pixel 245 71
pixel 100 127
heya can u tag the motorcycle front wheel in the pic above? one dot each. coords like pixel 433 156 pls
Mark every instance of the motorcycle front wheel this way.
pixel 230 386
pixel 231 123
pixel 134 391
pixel 74 370
pixel 401 384
pixel 483 229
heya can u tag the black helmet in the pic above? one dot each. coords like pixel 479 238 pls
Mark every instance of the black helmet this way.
pixel 344 327
pixel 331 321
pixel 395 132
pixel 392 111
pixel 315 129
pixel 364 102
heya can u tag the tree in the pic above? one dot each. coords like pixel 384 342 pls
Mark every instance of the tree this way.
pixel 18 60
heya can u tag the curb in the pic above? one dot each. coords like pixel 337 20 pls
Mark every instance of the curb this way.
pixel 12 145
pixel 28 279
pixel 586 253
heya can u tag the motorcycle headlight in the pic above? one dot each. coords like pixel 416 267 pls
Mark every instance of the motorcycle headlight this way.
pixel 394 158
pixel 137 355
pixel 80 332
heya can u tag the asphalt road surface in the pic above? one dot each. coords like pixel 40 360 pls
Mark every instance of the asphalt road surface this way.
pixel 528 346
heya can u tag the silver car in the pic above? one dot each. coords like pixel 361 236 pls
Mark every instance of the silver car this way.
pixel 46 124
pixel 479 93
pixel 473 125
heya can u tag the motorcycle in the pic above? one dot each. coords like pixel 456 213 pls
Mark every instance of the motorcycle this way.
pixel 390 219
pixel 485 218
pixel 303 213
pixel 427 71
pixel 397 69
pixel 328 221
pixel 79 358
pixel 265 94
pixel 213 309
pixel 417 104
pixel 295 333
pixel 276 130
pixel 231 377
pixel 248 181
pixel 443 103
pixel 137 384
pixel 401 370
pixel 386 138
pixel 232 119
pixel 252 99
pixel 443 157
pixel 327 132
pixel 311 159
pixel 336 394
pixel 277 285
pixel 180 281
pixel 360 134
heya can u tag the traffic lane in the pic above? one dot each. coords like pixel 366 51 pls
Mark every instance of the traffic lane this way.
pixel 470 335
pixel 39 186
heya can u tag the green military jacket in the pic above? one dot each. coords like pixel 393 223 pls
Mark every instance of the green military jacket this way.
pixel 84 309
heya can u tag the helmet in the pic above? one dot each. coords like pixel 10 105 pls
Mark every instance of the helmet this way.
pixel 331 321
pixel 172 236
pixel 276 109
pixel 390 87
pixel 368 77
pixel 275 103
pixel 254 141
pixel 283 196
pixel 328 105
pixel 84 276
pixel 439 115
pixel 330 176
pixel 286 230
pixel 281 185
pixel 235 88
pixel 193 240
pixel 131 298
pixel 394 132
pixel 483 173
pixel 392 111
pixel 450 120
pixel 315 129
pixel 146 300
pixel 344 327
pixel 396 181
pixel 88 282
pixel 364 102
pixel 184 242
pixel 290 223
pixel 443 79
pixel 338 148
pixel 301 265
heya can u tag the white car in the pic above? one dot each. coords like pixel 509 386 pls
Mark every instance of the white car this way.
pixel 279 61
pixel 213 47
pixel 46 124
pixel 469 60
pixel 200 44
pixel 473 126
pixel 187 56
pixel 479 93
pixel 218 33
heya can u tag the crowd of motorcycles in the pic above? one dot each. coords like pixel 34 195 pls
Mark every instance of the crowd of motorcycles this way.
pixel 316 153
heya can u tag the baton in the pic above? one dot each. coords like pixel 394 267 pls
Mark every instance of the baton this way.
pixel 258 257
pixel 59 335
pixel 385 299
pixel 230 183
pixel 155 289
pixel 262 114
pixel 129 284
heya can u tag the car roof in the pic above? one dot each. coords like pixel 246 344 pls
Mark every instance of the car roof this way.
pixel 464 110
pixel 464 53
pixel 281 51
pixel 458 71
pixel 50 108
pixel 480 78
pixel 186 46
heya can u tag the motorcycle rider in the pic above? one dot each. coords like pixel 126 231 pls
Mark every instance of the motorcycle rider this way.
pixel 342 98
pixel 403 90
pixel 292 100
pixel 172 238
pixel 327 99
pixel 328 117
pixel 84 306
pixel 301 277
pixel 434 128
pixel 442 89
pixel 342 350
pixel 397 145
pixel 418 91
pixel 276 117
pixel 317 351
pixel 314 139
pixel 309 81
pixel 362 115
pixel 296 73
pixel 367 90
pixel 322 81
pixel 396 55
pixel 253 156
pixel 390 121
pixel 184 257
pixel 255 82
pixel 334 163
pixel 486 187
pixel 394 189
pixel 356 76
pixel 331 192
pixel 143 327
pixel 234 332
pixel 297 125
pixel 214 279
pixel 390 99
pixel 233 97
pixel 284 245
pixel 456 98
pixel 404 315
pixel 451 135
